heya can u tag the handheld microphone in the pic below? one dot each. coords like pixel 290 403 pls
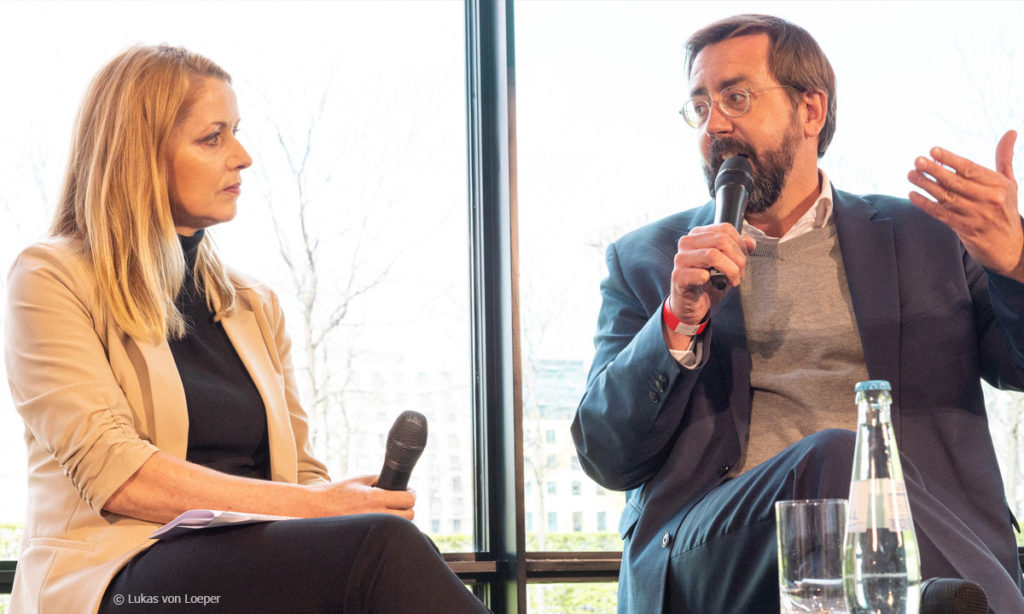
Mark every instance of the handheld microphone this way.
pixel 406 440
pixel 733 185
pixel 945 595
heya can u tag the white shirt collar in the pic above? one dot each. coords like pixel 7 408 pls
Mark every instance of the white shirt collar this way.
pixel 815 217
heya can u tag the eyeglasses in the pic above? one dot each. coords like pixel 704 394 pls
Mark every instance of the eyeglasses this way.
pixel 732 101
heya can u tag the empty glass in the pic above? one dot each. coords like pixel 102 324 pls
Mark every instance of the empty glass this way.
pixel 810 534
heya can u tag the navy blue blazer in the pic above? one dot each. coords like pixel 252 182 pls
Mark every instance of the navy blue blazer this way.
pixel 932 322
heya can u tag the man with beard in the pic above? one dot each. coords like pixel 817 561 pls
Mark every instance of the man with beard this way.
pixel 710 405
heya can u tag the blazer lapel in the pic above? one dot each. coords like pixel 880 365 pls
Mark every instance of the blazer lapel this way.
pixel 868 247
pixel 730 356
pixel 729 352
pixel 162 396
pixel 246 336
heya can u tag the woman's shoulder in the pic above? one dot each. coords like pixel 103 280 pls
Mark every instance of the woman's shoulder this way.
pixel 56 272
pixel 60 256
pixel 252 291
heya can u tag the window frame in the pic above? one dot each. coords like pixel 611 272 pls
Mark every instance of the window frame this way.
pixel 500 568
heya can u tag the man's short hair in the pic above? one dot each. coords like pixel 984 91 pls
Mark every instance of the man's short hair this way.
pixel 794 58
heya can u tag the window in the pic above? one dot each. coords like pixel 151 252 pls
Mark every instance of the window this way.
pixel 372 124
pixel 601 150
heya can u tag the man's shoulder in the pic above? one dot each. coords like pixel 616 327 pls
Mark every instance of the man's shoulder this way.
pixel 903 213
pixel 881 202
pixel 667 230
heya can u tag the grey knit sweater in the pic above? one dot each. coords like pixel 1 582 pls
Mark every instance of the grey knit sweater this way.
pixel 805 351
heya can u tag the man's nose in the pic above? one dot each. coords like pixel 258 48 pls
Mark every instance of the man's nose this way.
pixel 717 123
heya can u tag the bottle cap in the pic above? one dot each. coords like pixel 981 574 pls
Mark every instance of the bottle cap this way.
pixel 872 384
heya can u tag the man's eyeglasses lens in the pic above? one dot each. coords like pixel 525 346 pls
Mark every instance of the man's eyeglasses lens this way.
pixel 733 101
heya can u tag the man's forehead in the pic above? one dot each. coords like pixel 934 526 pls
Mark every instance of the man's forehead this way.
pixel 730 62
pixel 704 88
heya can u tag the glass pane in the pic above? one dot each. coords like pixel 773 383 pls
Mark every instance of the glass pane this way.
pixel 572 598
pixel 602 150
pixel 354 114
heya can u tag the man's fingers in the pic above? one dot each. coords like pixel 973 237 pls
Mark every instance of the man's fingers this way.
pixel 711 238
pixel 932 208
pixel 971 184
pixel 942 199
pixel 1004 154
pixel 963 167
pixel 690 278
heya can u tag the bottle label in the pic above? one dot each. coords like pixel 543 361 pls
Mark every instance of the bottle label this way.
pixel 878 504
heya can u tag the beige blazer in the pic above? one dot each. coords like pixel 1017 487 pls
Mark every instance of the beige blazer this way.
pixel 96 404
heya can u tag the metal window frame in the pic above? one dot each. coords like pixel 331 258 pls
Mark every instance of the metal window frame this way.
pixel 7 576
pixel 499 536
pixel 501 567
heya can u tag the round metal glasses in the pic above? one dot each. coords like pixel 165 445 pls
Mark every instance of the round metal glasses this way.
pixel 732 101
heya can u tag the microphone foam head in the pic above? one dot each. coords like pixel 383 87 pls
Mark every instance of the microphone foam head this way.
pixel 952 595
pixel 407 438
pixel 736 170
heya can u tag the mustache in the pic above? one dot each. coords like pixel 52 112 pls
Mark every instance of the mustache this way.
pixel 719 150
pixel 727 147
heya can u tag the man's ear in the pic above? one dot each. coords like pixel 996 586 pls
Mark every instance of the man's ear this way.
pixel 815 106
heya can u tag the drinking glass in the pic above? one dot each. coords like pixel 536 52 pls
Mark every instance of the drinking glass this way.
pixel 810 535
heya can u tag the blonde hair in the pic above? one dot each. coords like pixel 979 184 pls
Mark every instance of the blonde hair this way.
pixel 115 199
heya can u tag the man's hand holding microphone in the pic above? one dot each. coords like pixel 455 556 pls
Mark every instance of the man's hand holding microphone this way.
pixel 710 259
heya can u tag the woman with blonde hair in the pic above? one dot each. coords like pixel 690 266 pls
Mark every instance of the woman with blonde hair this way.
pixel 152 380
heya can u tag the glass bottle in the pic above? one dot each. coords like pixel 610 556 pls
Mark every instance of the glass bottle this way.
pixel 881 564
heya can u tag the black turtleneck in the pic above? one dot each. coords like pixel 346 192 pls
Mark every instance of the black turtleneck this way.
pixel 227 421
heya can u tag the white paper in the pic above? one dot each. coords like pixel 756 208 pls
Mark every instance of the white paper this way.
pixel 194 520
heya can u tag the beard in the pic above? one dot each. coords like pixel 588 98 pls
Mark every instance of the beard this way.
pixel 771 168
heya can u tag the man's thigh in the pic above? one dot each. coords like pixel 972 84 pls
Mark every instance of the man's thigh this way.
pixel 724 555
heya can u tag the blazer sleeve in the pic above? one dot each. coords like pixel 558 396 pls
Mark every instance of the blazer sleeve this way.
pixel 60 377
pixel 636 393
pixel 999 314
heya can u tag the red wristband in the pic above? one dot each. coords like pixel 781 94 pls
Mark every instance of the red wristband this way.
pixel 674 325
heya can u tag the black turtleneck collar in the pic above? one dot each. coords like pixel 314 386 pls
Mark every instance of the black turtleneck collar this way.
pixel 190 293
pixel 190 246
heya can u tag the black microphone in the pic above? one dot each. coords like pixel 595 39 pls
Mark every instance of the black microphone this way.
pixel 952 596
pixel 733 185
pixel 406 440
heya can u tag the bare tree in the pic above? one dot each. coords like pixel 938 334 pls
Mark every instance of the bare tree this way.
pixel 313 229
pixel 538 456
